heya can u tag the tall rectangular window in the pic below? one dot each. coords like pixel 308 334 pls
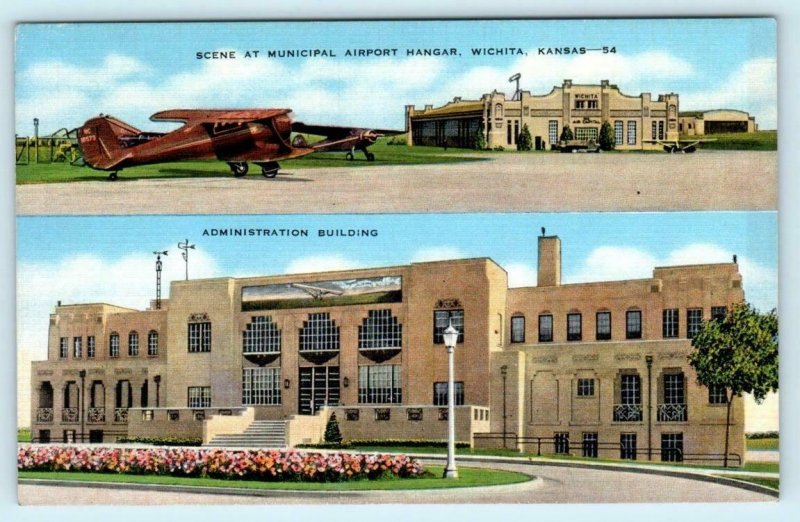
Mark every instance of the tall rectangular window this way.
pixel 90 347
pixel 133 344
pixel 574 327
pixel 77 347
pixel 380 384
pixel 590 444
pixel 717 395
pixel 633 324
pixel 63 347
pixel 545 328
pixel 591 104
pixel 552 131
pixel 509 137
pixel 618 131
pixel 630 389
pixel 199 337
pixel 632 132
pixel 661 130
pixel 672 447
pixel 719 312
pixel 518 329
pixel 113 345
pixel 603 326
pixel 585 387
pixel 440 393
pixel 694 321
pixel 152 343
pixel 654 131
pixel 199 397
pixel 261 386
pixel 442 319
pixel 669 324
pixel 561 442
pixel 673 388
pixel 627 446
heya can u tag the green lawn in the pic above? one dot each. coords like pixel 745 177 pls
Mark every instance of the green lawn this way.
pixel 770 467
pixel 770 444
pixel 468 477
pixel 23 435
pixel 770 483
pixel 384 155
pixel 761 140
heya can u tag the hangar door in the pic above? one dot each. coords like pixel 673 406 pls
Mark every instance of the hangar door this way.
pixel 717 127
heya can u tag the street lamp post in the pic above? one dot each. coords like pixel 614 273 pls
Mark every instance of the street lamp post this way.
pixel 36 137
pixel 450 339
pixel 157 380
pixel 649 360
pixel 504 373
pixel 82 374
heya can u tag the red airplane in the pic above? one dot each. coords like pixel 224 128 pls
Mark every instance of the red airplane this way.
pixel 260 136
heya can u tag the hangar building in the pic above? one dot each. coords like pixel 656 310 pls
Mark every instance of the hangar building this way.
pixel 700 123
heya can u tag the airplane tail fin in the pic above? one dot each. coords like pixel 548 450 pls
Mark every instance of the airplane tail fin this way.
pixel 101 141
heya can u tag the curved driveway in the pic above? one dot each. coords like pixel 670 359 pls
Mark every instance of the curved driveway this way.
pixel 556 485
pixel 708 180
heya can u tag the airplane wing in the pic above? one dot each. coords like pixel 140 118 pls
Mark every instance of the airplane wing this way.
pixel 333 132
pixel 196 116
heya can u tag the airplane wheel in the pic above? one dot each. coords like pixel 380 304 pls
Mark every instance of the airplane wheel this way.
pixel 239 169
pixel 112 176
pixel 349 156
pixel 270 170
pixel 370 156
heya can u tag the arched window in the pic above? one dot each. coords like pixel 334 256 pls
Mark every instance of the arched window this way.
pixel 133 344
pixel 498 110
pixel 152 343
pixel 113 345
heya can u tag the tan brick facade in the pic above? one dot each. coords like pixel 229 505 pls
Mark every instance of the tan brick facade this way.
pixel 638 121
pixel 537 361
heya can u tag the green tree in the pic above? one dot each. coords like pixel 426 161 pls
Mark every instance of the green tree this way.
pixel 738 354
pixel 607 140
pixel 566 134
pixel 524 140
pixel 480 139
pixel 332 433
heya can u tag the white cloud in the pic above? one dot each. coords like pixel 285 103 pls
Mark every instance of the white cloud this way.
pixel 609 263
pixel 321 263
pixel 128 281
pixel 521 274
pixel 753 87
pixel 440 253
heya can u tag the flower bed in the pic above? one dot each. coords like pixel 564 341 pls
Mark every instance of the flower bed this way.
pixel 267 465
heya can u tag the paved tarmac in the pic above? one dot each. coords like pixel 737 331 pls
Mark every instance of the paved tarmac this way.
pixel 706 180
pixel 555 485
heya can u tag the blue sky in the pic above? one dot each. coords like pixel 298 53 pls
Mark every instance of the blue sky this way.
pixel 66 73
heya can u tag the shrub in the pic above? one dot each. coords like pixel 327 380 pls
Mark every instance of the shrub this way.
pixel 332 433
pixel 524 141
pixel 566 134
pixel 480 139
pixel 607 140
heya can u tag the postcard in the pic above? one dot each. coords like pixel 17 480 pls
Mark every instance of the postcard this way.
pixel 473 261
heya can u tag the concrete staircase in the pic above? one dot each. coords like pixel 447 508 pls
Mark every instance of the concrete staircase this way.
pixel 260 434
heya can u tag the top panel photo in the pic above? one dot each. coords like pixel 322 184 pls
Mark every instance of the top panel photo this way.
pixel 396 116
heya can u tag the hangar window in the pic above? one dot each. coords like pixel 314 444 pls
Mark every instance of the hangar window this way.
pixel 632 132
pixel 618 130
pixel 552 131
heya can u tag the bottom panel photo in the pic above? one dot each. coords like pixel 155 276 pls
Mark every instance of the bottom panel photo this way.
pixel 566 358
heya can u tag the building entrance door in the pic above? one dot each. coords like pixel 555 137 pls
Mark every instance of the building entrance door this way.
pixel 537 143
pixel 319 386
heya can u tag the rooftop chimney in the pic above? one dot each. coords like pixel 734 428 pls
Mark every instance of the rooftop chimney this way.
pixel 549 260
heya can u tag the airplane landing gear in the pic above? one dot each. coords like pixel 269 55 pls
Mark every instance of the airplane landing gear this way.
pixel 349 156
pixel 269 169
pixel 238 169
pixel 370 156
pixel 112 176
